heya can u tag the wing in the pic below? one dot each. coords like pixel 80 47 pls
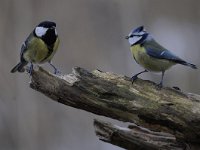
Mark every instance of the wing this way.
pixel 155 50
pixel 25 47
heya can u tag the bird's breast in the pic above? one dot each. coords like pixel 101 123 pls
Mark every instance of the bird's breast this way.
pixel 36 51
pixel 148 62
pixel 53 50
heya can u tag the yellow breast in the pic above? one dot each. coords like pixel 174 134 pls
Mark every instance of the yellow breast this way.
pixel 37 51
pixel 148 62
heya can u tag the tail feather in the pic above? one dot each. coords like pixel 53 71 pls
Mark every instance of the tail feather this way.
pixel 19 67
pixel 189 64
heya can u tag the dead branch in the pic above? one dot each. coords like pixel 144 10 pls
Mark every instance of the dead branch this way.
pixel 111 95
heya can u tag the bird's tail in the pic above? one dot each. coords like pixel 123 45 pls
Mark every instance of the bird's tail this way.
pixel 189 64
pixel 19 67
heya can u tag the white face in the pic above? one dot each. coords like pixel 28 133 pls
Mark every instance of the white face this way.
pixel 135 37
pixel 55 31
pixel 40 31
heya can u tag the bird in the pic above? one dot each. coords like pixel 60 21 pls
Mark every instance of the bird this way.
pixel 153 57
pixel 40 47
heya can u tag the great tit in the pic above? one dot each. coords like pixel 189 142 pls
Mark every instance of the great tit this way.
pixel 151 55
pixel 39 47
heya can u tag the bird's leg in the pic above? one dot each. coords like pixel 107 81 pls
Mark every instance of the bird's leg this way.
pixel 136 75
pixel 56 71
pixel 160 85
pixel 30 70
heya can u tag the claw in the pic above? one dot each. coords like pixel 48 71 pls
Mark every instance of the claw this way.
pixel 56 71
pixel 159 86
pixel 134 78
pixel 136 75
pixel 30 70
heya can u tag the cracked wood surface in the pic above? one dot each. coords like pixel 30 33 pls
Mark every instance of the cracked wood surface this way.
pixel 114 96
pixel 136 137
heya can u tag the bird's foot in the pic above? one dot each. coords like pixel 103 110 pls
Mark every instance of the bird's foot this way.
pixel 133 78
pixel 159 86
pixel 30 70
pixel 56 71
pixel 136 75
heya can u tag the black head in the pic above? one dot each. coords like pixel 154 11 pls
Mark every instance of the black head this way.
pixel 47 24
pixel 46 30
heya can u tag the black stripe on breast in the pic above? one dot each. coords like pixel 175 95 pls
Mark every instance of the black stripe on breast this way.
pixel 49 38
pixel 50 51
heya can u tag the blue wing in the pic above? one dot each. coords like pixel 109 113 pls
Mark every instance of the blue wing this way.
pixel 163 54
pixel 155 50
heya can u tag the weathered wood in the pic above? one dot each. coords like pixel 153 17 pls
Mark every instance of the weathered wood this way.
pixel 135 137
pixel 114 96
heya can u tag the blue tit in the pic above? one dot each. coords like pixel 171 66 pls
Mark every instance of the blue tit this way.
pixel 151 55
pixel 39 47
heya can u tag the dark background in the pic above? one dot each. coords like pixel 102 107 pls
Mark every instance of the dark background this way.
pixel 92 36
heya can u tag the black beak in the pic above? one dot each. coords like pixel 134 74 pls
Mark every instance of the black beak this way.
pixel 127 37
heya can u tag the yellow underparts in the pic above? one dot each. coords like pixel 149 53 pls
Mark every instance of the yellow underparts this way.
pixel 148 62
pixel 37 51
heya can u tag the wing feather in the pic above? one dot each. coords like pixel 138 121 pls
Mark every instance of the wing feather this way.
pixel 155 50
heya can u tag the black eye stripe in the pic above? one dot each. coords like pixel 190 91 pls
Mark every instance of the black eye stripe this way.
pixel 132 35
pixel 137 35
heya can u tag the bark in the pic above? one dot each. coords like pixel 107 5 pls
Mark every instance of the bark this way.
pixel 159 110
pixel 136 137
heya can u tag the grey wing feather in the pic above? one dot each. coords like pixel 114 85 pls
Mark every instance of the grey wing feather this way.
pixel 20 66
pixel 24 47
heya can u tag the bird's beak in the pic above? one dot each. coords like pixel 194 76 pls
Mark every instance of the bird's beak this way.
pixel 127 37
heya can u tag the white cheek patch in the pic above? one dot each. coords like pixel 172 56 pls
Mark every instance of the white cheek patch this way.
pixel 133 40
pixel 40 31
pixel 56 32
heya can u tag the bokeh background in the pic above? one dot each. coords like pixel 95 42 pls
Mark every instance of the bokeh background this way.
pixel 92 36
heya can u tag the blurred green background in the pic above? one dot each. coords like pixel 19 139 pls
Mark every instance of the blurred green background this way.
pixel 92 36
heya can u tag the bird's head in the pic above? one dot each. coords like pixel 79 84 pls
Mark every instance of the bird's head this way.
pixel 137 36
pixel 46 30
pixel 42 28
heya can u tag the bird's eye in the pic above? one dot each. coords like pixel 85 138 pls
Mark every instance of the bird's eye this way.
pixel 131 35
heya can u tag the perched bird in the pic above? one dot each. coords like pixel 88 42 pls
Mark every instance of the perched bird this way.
pixel 151 55
pixel 39 47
